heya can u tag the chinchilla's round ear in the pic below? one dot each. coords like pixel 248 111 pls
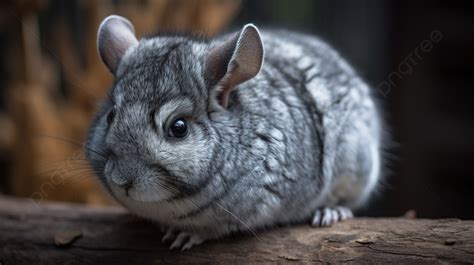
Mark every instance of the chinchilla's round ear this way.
pixel 114 37
pixel 233 62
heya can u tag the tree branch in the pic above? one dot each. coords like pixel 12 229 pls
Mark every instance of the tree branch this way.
pixel 58 233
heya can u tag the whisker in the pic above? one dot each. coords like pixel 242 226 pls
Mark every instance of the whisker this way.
pixel 221 207
pixel 76 143
pixel 171 189
pixel 62 163
pixel 77 177
pixel 238 219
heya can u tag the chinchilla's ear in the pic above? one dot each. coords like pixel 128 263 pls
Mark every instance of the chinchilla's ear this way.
pixel 233 62
pixel 114 37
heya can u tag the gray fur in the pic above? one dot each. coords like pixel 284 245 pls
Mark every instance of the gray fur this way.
pixel 302 134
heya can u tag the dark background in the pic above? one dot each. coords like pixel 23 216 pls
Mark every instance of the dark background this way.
pixel 430 156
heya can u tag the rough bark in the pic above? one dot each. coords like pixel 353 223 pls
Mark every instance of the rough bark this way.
pixel 53 233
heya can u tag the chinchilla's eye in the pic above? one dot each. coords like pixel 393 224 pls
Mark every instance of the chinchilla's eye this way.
pixel 179 128
pixel 111 115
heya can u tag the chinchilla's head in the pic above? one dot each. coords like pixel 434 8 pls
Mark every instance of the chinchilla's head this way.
pixel 154 137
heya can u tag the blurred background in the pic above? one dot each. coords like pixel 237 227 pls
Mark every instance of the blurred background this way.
pixel 417 56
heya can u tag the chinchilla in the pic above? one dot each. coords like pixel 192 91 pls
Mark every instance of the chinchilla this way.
pixel 238 133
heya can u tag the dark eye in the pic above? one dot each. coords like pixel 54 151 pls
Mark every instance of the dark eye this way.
pixel 111 115
pixel 179 128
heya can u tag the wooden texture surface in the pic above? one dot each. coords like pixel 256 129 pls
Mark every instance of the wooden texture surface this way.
pixel 53 233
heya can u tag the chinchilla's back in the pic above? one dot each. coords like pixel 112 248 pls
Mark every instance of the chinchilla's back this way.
pixel 311 128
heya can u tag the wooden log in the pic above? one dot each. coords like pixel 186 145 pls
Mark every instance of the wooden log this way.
pixel 54 233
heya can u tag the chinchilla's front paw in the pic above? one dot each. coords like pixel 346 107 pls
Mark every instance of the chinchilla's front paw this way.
pixel 327 216
pixel 182 240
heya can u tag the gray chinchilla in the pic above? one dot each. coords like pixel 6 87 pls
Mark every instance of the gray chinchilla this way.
pixel 242 132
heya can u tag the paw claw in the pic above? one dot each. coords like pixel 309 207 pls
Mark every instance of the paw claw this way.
pixel 169 235
pixel 182 240
pixel 344 213
pixel 194 240
pixel 328 216
pixel 316 218
pixel 179 240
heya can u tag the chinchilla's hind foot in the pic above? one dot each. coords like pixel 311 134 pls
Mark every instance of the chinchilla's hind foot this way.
pixel 327 216
pixel 182 240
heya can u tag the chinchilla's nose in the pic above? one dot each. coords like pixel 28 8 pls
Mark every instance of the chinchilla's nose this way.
pixel 123 182
pixel 118 175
